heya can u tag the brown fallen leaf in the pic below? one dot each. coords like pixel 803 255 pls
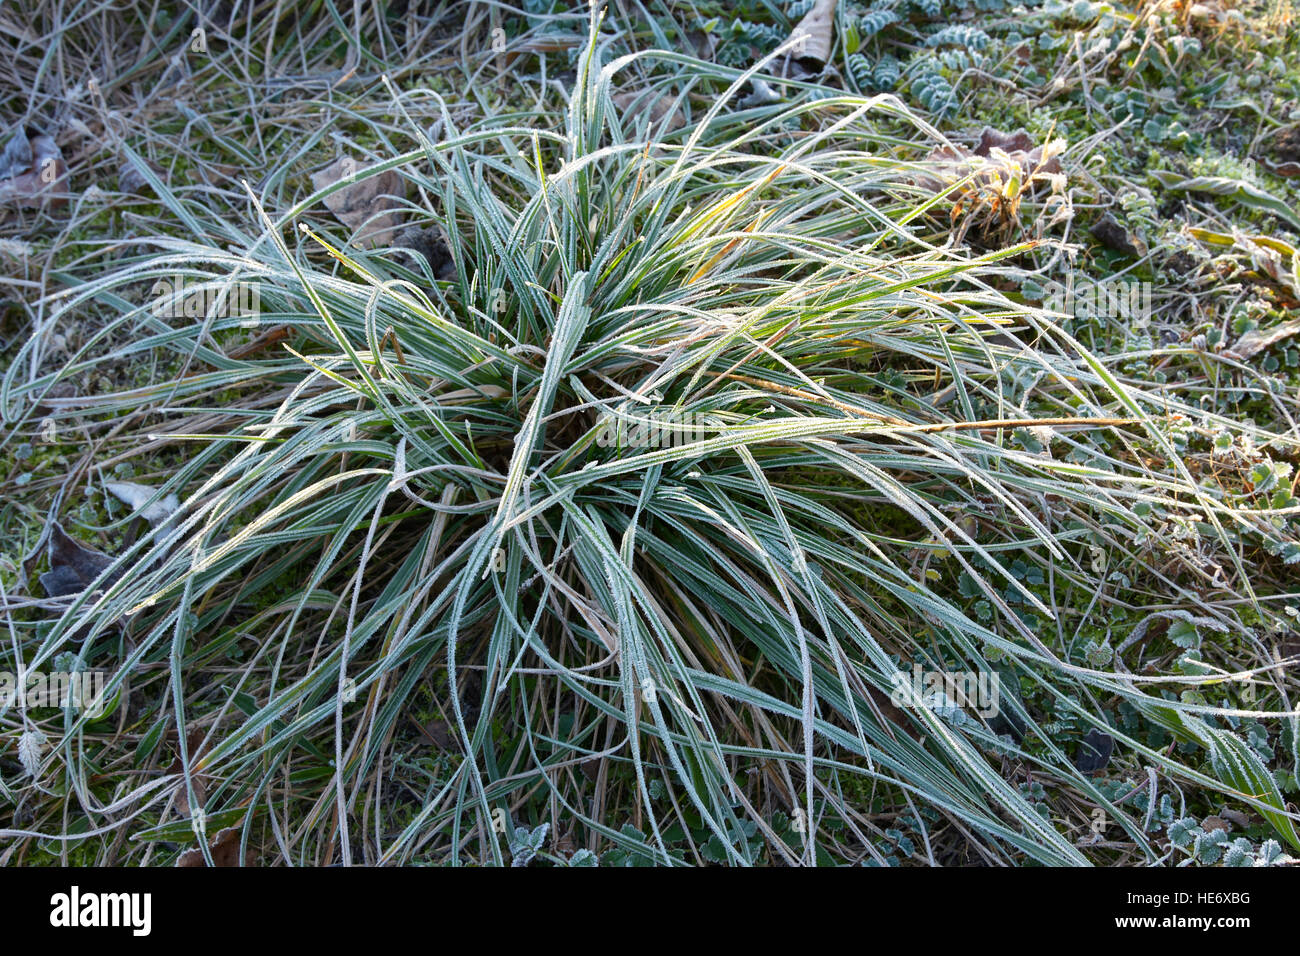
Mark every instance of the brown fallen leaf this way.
pixel 439 732
pixel 1115 237
pixel 1094 751
pixel 131 180
pixel 1236 817
pixel 1286 145
pixel 59 390
pixel 663 105
pixel 194 745
pixel 549 43
pixel 815 33
pixel 1286 170
pixel 224 848
pixel 702 44
pixel 73 566
pixel 1256 340
pixel 370 206
pixel 430 243
pixel 1183 263
pixel 32 171
pixel 1285 148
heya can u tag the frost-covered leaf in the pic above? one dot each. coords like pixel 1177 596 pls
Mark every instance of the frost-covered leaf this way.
pixel 1183 832
pixel 815 32
pixel 1234 763
pixel 32 171
pixel 370 206
pixel 30 747
pixel 145 500
pixel 526 844
pixel 1238 853
pixel 16 157
pixel 1243 192
pixel 224 848
pixel 1270 853
pixel 1209 847
pixel 1256 340
pixel 1184 634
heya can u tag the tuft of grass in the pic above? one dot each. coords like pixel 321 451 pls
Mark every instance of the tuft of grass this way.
pixel 665 647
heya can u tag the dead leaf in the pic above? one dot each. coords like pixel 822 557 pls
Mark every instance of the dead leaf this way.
pixel 432 244
pixel 815 33
pixel 548 43
pixel 73 566
pixel 369 206
pixel 761 94
pixel 991 139
pixel 1094 751
pixel 1286 146
pixel 194 746
pixel 131 180
pixel 224 848
pixel 1256 340
pixel 440 733
pixel 703 44
pixel 1115 237
pixel 1183 263
pixel 32 171
pixel 1271 260
pixel 16 157
pixel 663 105
pixel 59 390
